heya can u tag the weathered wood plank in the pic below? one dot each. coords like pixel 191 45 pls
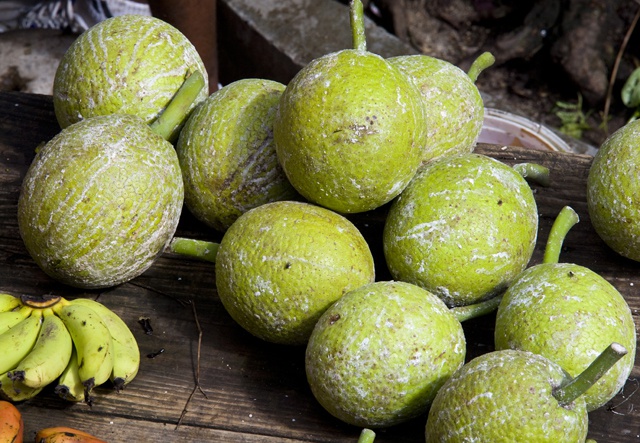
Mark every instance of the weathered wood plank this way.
pixel 254 391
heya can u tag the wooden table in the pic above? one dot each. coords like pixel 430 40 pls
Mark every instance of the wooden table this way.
pixel 253 391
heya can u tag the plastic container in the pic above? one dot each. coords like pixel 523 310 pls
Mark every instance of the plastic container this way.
pixel 505 128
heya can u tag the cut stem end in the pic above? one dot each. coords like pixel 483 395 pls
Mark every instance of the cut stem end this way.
pixel 484 60
pixel 367 436
pixel 576 387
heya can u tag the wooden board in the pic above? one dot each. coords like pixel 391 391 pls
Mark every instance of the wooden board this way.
pixel 253 391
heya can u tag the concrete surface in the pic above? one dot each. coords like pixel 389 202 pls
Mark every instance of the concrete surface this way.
pixel 275 38
pixel 29 59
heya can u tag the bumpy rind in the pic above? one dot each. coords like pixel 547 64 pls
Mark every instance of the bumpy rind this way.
pixel 613 189
pixel 377 357
pixel 227 153
pixel 453 104
pixel 569 314
pixel 101 201
pixel 282 264
pixel 126 64
pixel 464 228
pixel 505 396
pixel 350 131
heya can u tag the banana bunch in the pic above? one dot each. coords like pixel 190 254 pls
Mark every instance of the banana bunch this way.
pixel 79 344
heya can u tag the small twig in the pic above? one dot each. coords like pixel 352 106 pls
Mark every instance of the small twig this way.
pixel 616 65
pixel 197 372
pixel 196 386
pixel 626 399
pixel 157 291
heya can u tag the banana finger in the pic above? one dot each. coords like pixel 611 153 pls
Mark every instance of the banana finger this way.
pixel 49 356
pixel 126 359
pixel 8 302
pixel 18 341
pixel 92 340
pixel 15 391
pixel 9 319
pixel 70 385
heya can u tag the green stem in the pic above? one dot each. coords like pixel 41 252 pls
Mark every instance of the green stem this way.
pixel 200 249
pixel 367 436
pixel 463 313
pixel 173 115
pixel 567 393
pixel 357 25
pixel 534 172
pixel 565 220
pixel 483 61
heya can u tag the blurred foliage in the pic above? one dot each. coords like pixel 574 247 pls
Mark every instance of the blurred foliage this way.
pixel 573 120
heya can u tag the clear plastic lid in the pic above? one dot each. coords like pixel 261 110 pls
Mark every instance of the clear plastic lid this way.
pixel 505 128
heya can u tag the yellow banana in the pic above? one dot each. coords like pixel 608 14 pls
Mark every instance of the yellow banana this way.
pixel 92 340
pixel 18 341
pixel 9 302
pixel 14 390
pixel 126 354
pixel 9 319
pixel 49 356
pixel 69 385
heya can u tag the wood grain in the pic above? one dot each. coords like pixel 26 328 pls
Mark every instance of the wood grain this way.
pixel 253 391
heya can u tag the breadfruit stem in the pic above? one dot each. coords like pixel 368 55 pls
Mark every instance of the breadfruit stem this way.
pixel 356 15
pixel 534 172
pixel 200 249
pixel 468 312
pixel 561 226
pixel 577 386
pixel 367 436
pixel 483 61
pixel 174 113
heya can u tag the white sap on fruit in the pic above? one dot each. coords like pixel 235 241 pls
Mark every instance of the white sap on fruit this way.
pixel 127 64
